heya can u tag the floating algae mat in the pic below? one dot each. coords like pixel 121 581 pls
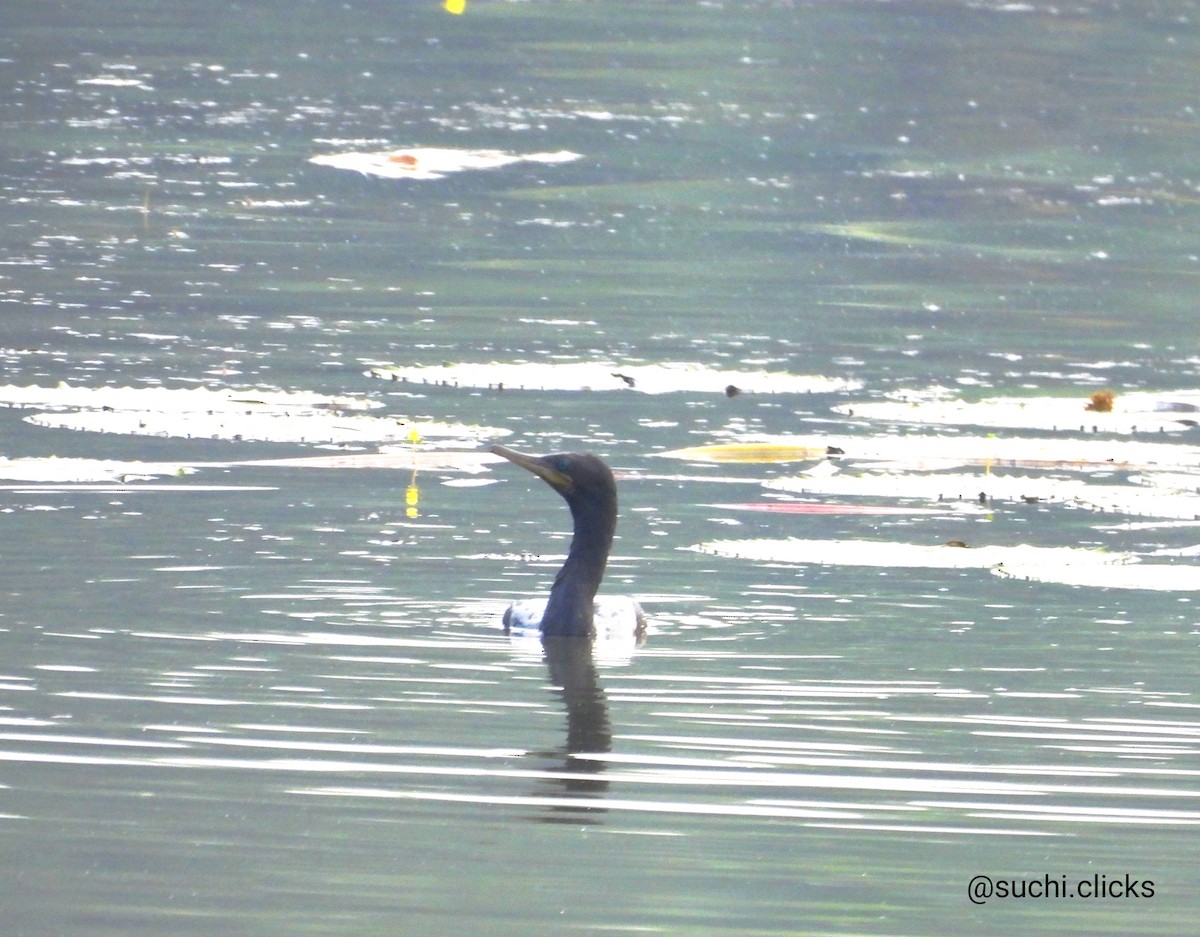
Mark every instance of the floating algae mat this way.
pixel 72 471
pixel 76 472
pixel 429 162
pixel 929 452
pixel 414 458
pixel 263 415
pixel 1102 412
pixel 891 554
pixel 668 378
pixel 63 396
pixel 809 507
pixel 1063 565
pixel 1150 495
pixel 1158 577
pixel 1119 476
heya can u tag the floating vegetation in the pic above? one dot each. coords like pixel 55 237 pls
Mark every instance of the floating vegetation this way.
pixel 427 162
pixel 913 453
pixel 811 507
pixel 1062 565
pixel 1138 412
pixel 675 377
pixel 248 414
pixel 1170 499
pixel 394 457
pixel 1158 577
pixel 164 398
pixel 251 424
pixel 891 554
pixel 1156 480
pixel 66 471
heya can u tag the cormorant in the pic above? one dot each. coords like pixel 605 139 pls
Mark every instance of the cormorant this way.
pixel 587 485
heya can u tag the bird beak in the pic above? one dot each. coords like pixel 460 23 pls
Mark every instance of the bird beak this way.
pixel 559 481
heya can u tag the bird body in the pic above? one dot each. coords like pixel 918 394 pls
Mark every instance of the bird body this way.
pixel 611 615
pixel 586 483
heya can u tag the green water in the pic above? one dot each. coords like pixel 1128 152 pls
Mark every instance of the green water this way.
pixel 282 705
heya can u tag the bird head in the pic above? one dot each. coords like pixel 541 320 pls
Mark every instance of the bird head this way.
pixel 580 477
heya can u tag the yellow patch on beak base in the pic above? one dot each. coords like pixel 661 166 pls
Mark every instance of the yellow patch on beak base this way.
pixel 560 481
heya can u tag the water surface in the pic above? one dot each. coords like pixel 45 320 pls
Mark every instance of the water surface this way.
pixel 245 693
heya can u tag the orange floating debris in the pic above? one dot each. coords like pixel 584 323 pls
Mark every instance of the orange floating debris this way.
pixel 432 162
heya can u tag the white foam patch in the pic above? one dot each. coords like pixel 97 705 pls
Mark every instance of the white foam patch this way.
pixel 179 399
pixel 1141 501
pixel 1159 577
pixel 1135 412
pixel 672 377
pixel 428 162
pixel 245 414
pixel 65 471
pixel 890 554
pixel 1063 565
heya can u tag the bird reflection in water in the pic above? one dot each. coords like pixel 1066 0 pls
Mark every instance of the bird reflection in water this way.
pixel 589 732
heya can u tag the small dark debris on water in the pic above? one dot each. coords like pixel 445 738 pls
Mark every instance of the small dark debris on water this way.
pixel 983 498
pixel 955 543
pixel 629 381
pixel 732 390
pixel 834 450
pixel 1030 499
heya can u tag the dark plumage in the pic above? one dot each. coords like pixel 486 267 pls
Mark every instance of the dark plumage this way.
pixel 586 483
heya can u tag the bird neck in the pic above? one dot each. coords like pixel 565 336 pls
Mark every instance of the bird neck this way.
pixel 573 596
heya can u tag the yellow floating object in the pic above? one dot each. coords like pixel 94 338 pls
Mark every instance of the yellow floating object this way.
pixel 456 6
pixel 749 452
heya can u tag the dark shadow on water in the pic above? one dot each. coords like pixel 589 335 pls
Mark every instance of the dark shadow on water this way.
pixel 572 671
